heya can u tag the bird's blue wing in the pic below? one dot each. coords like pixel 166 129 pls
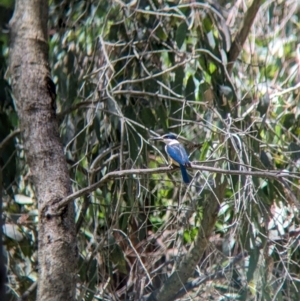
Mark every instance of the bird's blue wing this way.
pixel 178 153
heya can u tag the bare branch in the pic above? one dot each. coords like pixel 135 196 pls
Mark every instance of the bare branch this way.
pixel 273 174
pixel 241 36
pixel 7 138
pixel 217 275
pixel 28 292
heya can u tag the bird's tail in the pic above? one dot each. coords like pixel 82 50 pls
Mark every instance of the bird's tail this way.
pixel 185 175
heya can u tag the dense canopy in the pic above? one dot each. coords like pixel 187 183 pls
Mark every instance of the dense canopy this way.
pixel 223 76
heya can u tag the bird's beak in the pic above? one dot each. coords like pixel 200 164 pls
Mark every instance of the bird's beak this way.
pixel 156 138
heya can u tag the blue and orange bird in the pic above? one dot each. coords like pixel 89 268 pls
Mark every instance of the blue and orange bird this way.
pixel 177 153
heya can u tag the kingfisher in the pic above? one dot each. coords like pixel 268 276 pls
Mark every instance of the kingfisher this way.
pixel 177 154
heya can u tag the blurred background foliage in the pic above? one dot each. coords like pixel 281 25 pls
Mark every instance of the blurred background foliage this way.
pixel 126 71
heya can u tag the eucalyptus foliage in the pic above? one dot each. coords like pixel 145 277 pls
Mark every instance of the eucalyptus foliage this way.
pixel 126 71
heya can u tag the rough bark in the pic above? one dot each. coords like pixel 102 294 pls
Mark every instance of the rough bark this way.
pixel 34 94
pixel 2 264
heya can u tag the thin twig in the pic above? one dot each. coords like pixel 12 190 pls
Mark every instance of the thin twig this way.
pixel 243 33
pixel 29 291
pixel 217 275
pixel 135 251
pixel 273 174
pixel 7 138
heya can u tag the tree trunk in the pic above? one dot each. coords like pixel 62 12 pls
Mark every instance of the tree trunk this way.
pixel 34 94
pixel 2 263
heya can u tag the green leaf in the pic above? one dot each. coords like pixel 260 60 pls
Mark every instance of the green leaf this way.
pixel 207 24
pixel 175 107
pixel 181 34
pixel 161 34
pixel 80 141
pixel 266 160
pixel 179 77
pixel 12 231
pixel 116 255
pixel 253 261
pixel 288 120
pixel 263 104
pixel 148 118
pixel 162 116
pixel 212 68
pixel 190 88
pixel 295 149
pixel 204 150
pixel 23 199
